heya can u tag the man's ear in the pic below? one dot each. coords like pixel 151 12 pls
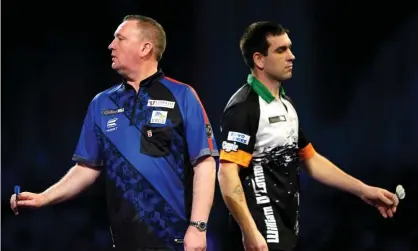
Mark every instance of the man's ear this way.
pixel 146 49
pixel 259 60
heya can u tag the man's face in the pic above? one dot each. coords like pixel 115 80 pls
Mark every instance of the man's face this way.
pixel 278 64
pixel 128 46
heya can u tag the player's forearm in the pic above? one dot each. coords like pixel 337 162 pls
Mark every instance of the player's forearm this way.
pixel 234 197
pixel 324 171
pixel 203 189
pixel 76 180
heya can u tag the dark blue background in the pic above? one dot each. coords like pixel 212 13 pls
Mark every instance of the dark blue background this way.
pixel 355 84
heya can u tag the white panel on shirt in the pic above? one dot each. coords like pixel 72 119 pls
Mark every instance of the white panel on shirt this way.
pixel 281 133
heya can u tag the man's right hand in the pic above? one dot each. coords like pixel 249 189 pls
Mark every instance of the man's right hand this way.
pixel 254 242
pixel 75 181
pixel 27 199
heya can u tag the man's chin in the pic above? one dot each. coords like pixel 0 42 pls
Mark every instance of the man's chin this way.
pixel 289 74
pixel 117 69
pixel 285 77
pixel 121 71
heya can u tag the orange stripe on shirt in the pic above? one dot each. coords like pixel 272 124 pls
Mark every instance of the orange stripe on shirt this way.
pixel 307 152
pixel 205 116
pixel 239 157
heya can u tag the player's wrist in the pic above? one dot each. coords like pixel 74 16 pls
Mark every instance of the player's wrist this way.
pixel 248 230
pixel 200 226
pixel 361 189
pixel 196 231
pixel 44 199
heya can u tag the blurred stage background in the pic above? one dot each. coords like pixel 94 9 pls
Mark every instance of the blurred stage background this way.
pixel 355 84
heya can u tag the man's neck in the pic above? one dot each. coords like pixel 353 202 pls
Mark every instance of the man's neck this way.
pixel 135 78
pixel 272 85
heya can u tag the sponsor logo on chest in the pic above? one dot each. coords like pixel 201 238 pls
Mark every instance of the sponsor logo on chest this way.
pixel 159 117
pixel 161 103
pixel 112 111
pixel 276 119
pixel 111 125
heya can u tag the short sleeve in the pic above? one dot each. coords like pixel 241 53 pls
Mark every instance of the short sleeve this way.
pixel 199 135
pixel 306 150
pixel 236 136
pixel 88 148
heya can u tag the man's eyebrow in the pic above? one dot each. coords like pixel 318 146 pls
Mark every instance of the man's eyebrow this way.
pixel 283 47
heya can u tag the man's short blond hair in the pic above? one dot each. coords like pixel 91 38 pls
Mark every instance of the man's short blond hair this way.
pixel 153 31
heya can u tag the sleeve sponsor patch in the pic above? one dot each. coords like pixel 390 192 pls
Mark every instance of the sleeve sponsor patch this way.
pixel 229 147
pixel 209 131
pixel 238 137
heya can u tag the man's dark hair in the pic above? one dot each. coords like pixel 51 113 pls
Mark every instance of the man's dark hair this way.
pixel 152 30
pixel 254 39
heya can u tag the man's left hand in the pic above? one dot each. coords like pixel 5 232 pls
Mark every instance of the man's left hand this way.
pixel 385 201
pixel 194 240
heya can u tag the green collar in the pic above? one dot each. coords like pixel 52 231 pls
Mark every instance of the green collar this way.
pixel 261 89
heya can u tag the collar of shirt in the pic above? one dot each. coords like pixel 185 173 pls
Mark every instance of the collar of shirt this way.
pixel 261 89
pixel 159 74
